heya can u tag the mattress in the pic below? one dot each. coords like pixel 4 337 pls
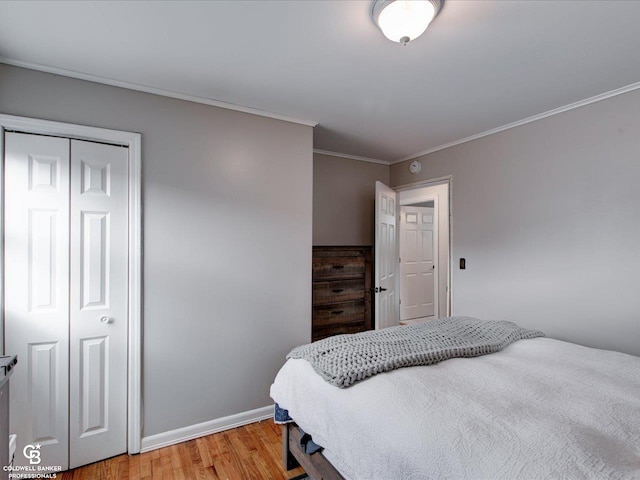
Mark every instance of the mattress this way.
pixel 540 408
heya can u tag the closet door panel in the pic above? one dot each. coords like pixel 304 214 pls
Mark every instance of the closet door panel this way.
pixel 37 292
pixel 99 323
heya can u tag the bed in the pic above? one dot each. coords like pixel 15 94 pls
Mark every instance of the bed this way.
pixel 539 408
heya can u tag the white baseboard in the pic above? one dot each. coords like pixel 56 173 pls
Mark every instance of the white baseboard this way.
pixel 159 440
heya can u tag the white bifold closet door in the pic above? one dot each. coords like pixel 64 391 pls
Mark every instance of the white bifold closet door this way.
pixel 66 261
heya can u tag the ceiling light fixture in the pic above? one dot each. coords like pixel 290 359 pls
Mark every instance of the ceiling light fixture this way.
pixel 404 20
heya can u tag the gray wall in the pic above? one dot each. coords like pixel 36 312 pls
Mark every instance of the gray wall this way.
pixel 343 200
pixel 548 217
pixel 227 240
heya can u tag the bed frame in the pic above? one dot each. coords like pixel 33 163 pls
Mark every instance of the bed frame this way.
pixel 315 465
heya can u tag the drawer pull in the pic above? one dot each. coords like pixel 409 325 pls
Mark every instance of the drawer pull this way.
pixel 338 290
pixel 337 312
pixel 338 267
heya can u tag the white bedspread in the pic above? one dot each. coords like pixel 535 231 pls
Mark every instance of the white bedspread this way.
pixel 539 409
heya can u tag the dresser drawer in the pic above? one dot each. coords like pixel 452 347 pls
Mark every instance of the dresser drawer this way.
pixel 320 333
pixel 337 267
pixel 341 251
pixel 338 313
pixel 338 291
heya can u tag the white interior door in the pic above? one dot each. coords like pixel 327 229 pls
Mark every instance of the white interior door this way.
pixel 98 333
pixel 386 263
pixel 418 267
pixel 37 292
pixel 439 195
pixel 66 271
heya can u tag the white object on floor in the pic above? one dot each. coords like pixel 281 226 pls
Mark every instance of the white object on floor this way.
pixel 540 408
pixel 12 447
pixel 415 321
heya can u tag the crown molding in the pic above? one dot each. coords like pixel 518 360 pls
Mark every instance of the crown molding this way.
pixel 285 118
pixel 540 116
pixel 156 91
pixel 351 157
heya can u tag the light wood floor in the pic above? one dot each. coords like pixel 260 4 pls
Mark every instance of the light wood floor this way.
pixel 250 452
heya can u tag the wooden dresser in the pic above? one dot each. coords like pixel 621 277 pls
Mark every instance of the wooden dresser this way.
pixel 341 290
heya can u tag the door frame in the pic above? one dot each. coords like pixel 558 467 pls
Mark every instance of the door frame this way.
pixel 447 179
pixel 134 142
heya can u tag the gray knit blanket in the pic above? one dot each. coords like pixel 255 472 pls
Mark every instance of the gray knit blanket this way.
pixel 343 360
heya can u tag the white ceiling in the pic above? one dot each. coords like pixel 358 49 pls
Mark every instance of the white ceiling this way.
pixel 480 65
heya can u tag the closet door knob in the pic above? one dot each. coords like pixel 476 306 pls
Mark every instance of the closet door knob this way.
pixel 106 320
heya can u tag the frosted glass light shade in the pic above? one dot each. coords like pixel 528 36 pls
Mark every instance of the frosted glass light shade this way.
pixel 404 20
